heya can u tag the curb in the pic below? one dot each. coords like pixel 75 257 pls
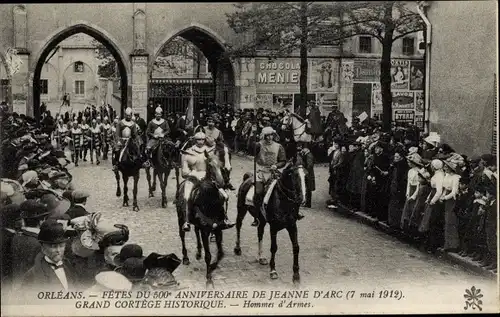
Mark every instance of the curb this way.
pixel 466 263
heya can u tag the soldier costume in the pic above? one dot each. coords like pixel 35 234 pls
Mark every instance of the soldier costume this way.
pixel 157 129
pixel 76 138
pixel 107 137
pixel 87 136
pixel 194 165
pixel 95 142
pixel 125 129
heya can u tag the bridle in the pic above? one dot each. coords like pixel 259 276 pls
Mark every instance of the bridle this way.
pixel 289 124
pixel 288 193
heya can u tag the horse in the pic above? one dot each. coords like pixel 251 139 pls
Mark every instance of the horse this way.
pixel 164 159
pixel 208 208
pixel 286 196
pixel 298 126
pixel 129 164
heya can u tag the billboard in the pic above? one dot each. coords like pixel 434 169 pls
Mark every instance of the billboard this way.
pixel 323 74
pixel 400 74
pixel 403 100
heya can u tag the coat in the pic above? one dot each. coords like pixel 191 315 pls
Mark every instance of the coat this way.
pixel 25 247
pixel 357 173
pixel 306 159
pixel 43 278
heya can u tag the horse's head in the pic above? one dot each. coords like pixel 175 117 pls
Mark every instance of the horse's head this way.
pixel 293 178
pixel 214 172
pixel 286 122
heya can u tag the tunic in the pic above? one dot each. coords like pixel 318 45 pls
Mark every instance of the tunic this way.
pixel 87 136
pixel 213 134
pixel 157 127
pixel 76 136
pixel 96 137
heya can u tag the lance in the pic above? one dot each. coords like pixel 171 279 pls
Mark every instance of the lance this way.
pixel 255 154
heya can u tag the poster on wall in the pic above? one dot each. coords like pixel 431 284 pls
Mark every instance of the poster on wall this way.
pixel 403 100
pixel 417 75
pixel 376 98
pixel 404 116
pixel 399 74
pixel 366 70
pixel 264 101
pixel 282 102
pixel 419 120
pixel 419 101
pixel 323 75
pixel 326 102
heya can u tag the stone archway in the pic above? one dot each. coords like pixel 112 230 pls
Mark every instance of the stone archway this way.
pixel 99 35
pixel 212 46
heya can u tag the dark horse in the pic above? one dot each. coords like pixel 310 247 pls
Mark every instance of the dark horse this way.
pixel 164 159
pixel 281 213
pixel 129 163
pixel 207 213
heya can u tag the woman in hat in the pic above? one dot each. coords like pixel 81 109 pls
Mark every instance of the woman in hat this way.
pixel 433 214
pixel 398 172
pixel 412 188
pixel 109 281
pixel 134 270
pixel 451 183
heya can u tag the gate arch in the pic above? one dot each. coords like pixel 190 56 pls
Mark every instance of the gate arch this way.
pixel 213 47
pixel 97 33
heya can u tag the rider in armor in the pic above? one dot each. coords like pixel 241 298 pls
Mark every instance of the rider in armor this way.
pixel 76 137
pixel 157 129
pixel 125 129
pixel 95 143
pixel 270 157
pixel 194 165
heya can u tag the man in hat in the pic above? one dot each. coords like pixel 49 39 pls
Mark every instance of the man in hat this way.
pixel 193 170
pixel 157 129
pixel 128 251
pixel 50 271
pixel 25 245
pixel 336 158
pixel 126 129
pixel 79 199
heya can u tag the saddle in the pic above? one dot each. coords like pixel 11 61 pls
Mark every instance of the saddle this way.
pixel 268 190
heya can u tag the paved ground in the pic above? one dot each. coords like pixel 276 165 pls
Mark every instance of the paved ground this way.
pixel 333 248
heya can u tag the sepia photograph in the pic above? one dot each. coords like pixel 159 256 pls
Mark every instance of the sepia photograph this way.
pixel 249 158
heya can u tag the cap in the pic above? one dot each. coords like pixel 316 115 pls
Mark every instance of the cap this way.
pixel 79 195
pixel 267 131
pixel 128 111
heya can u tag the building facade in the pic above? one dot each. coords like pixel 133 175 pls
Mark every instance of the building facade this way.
pixel 463 72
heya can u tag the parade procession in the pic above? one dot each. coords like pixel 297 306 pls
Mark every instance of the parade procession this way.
pixel 189 166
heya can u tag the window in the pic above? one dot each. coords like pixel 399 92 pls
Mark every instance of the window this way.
pixel 365 44
pixel 78 67
pixel 79 87
pixel 408 46
pixel 44 86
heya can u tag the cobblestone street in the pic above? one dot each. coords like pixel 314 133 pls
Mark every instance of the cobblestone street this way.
pixel 333 249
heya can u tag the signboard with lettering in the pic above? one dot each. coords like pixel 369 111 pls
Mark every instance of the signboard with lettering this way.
pixel 404 116
pixel 403 100
pixel 366 70
pixel 323 74
pixel 277 75
pixel 419 120
pixel 399 74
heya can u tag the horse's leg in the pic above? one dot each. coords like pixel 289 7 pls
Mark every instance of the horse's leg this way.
pixel 164 184
pixel 242 211
pixel 182 234
pixel 198 243
pixel 260 237
pixel 125 189
pixel 177 183
pixel 208 257
pixel 118 189
pixel 292 232
pixel 220 249
pixel 155 174
pixel 274 247
pixel 135 207
pixel 148 177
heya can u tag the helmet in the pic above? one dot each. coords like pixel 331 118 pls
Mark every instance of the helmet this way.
pixel 158 110
pixel 200 136
pixel 128 111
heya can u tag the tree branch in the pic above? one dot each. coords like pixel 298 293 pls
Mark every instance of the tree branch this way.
pixel 404 34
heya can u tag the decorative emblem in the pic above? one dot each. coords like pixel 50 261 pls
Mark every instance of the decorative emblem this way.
pixel 13 61
pixel 472 298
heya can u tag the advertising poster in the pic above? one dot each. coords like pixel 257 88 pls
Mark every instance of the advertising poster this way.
pixel 419 101
pixel 282 102
pixel 326 102
pixel 281 74
pixel 264 101
pixel 400 74
pixel 376 98
pixel 323 75
pixel 403 100
pixel 366 70
pixel 404 116
pixel 419 120
pixel 417 70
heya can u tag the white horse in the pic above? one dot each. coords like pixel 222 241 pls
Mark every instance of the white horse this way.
pixel 298 126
